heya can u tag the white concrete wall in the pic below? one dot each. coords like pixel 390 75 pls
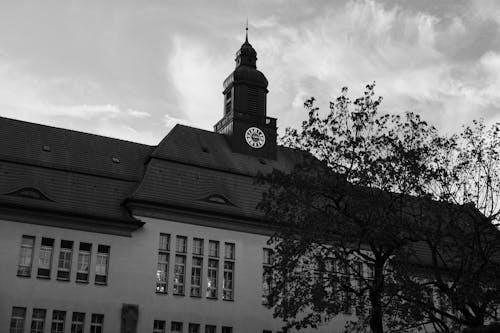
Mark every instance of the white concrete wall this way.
pixel 131 280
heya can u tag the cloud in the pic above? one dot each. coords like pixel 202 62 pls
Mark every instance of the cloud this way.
pixel 401 49
pixel 138 114
pixel 24 96
pixel 197 78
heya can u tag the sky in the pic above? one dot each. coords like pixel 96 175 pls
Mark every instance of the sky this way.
pixel 133 69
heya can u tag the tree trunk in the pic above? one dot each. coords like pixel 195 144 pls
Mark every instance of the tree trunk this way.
pixel 376 322
pixel 376 319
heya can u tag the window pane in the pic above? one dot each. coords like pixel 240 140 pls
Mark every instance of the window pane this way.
pixel 159 326
pixel 17 320
pixel 212 278
pixel 229 251
pixel 58 319
pixel 83 265
pixel 164 242
pixel 228 287
pixel 162 273
pixel 181 244
pixel 176 327
pixel 213 248
pixel 198 246
pixel 26 256
pixel 96 324
pixel 65 258
pixel 45 257
pixel 38 320
pixel 210 328
pixel 77 321
pixel 179 274
pixel 194 328
pixel 102 261
pixel 196 270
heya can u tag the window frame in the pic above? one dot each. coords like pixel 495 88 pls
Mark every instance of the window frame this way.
pixel 45 258
pixel 58 321
pixel 102 265
pixel 16 319
pixel 24 269
pixel 63 273
pixel 82 253
pixel 76 323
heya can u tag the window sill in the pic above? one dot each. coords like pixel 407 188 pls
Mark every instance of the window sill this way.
pixel 82 282
pixel 195 296
pixel 213 298
pixel 228 300
pixel 161 293
pixel 43 277
pixel 62 280
pixel 178 294
pixel 101 284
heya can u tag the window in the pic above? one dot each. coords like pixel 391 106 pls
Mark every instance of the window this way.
pixel 58 319
pixel 213 266
pixel 164 242
pixel 77 321
pixel 267 257
pixel 45 258
pixel 64 263
pixel 38 320
pixel 370 271
pixel 176 327
pixel 179 274
pixel 267 275
pixel 82 274
pixel 101 266
pixel 26 256
pixel 96 323
pixel 213 248
pixel 228 283
pixel 194 328
pixel 210 328
pixel 17 319
pixel 181 244
pixel 196 270
pixel 159 326
pixel 198 246
pixel 229 251
pixel 226 329
pixel 162 267
pixel 162 273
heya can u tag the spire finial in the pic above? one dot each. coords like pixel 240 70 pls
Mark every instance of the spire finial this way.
pixel 246 32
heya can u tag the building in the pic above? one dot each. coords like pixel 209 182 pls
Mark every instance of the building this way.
pixel 103 235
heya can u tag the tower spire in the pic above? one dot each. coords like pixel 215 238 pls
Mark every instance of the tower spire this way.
pixel 246 32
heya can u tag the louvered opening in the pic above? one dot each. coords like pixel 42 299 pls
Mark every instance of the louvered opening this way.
pixel 253 100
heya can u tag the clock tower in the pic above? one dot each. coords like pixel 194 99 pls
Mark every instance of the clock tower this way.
pixel 244 122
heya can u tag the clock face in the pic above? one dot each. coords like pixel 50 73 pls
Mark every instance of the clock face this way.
pixel 255 137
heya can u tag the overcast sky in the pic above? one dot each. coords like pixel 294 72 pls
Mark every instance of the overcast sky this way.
pixel 133 69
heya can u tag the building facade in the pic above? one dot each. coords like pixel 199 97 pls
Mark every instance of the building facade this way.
pixel 104 235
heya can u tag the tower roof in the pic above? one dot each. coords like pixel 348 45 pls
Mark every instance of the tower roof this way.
pixel 246 55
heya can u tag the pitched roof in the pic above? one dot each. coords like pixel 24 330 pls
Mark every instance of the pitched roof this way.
pixel 74 173
pixel 67 172
pixel 211 150
pixel 196 169
pixel 34 144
